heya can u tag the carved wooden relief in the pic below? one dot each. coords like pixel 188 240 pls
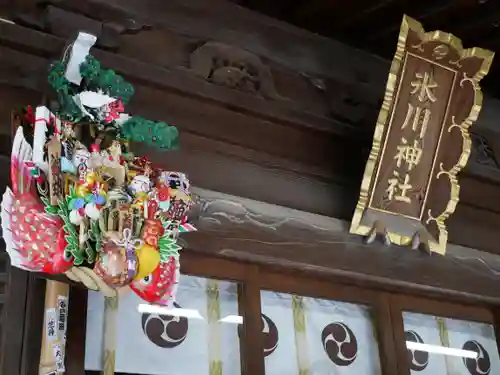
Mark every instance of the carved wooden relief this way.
pixel 422 138
pixel 230 66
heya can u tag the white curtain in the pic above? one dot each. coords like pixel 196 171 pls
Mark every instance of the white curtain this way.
pixel 320 337
pixel 455 334
pixel 202 346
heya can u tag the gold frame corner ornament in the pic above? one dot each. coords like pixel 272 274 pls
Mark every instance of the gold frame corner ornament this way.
pixel 486 56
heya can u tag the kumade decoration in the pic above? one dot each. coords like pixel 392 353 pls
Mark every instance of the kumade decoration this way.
pixel 81 203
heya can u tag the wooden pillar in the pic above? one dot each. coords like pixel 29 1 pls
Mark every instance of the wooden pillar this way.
pixel 110 311
pixel 54 328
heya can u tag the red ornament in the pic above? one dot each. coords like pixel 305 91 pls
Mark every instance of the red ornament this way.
pixel 153 230
pixel 38 236
pixel 159 285
pixel 60 263
pixel 152 208
pixel 30 115
pixel 94 147
pixel 163 194
pixel 114 110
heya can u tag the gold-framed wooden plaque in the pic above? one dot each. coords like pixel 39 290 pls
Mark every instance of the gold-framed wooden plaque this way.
pixel 421 139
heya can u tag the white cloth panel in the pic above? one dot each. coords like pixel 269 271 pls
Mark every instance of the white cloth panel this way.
pixel 328 321
pixel 184 351
pixel 339 337
pixel 424 330
pixel 279 334
pixel 456 334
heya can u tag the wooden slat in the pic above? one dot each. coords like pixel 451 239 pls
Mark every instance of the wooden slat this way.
pixel 397 325
pixel 443 309
pixel 383 320
pixel 33 319
pixel 76 332
pixel 249 304
pixel 304 286
pixel 13 321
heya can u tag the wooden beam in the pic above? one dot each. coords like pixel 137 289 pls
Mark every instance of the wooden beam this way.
pixel 307 162
pixel 345 259
pixel 292 241
pixel 240 27
pixel 393 269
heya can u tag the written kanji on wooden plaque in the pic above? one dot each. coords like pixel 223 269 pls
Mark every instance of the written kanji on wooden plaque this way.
pixel 421 139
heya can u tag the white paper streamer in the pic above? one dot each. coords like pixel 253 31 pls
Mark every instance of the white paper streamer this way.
pixel 79 51
pixel 62 314
pixel 42 118
pixel 59 357
pixel 51 324
pixel 94 100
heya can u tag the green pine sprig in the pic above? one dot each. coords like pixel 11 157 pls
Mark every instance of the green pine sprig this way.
pixel 65 90
pixel 50 209
pixel 97 79
pixel 72 247
pixel 156 134
pixel 90 252
pixel 95 234
pixel 167 244
pixel 168 247
pixel 71 235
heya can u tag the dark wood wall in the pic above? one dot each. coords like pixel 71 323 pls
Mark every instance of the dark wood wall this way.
pixel 266 111
pixel 374 25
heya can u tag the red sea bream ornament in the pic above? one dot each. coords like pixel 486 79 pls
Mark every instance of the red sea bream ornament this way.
pixel 34 238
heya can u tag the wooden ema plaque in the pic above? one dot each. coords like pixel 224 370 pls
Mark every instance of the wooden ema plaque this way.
pixel 421 139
